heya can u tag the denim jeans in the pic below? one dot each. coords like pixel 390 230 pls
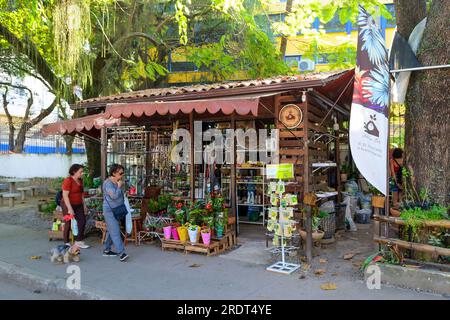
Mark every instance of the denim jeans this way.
pixel 113 235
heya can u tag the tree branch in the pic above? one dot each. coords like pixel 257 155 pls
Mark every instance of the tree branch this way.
pixel 44 112
pixel 28 49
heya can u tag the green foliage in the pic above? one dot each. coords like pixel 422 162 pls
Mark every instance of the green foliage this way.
pixel 163 203
pixel 315 223
pixel 213 58
pixel 49 207
pixel 415 217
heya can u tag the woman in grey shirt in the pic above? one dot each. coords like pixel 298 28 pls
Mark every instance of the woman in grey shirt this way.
pixel 113 196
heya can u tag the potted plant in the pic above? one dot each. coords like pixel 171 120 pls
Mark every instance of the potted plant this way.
pixel 175 227
pixel 183 233
pixel 316 233
pixel 219 228
pixel 193 232
pixel 167 232
pixel 206 235
pixel 153 206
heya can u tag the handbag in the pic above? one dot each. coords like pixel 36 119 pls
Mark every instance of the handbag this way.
pixel 119 212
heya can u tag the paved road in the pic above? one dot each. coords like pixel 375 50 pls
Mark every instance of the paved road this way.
pixel 11 291
pixel 153 274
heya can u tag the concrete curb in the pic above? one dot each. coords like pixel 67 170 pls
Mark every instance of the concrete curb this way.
pixel 424 280
pixel 37 281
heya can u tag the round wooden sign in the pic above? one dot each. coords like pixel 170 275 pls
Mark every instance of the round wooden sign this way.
pixel 291 116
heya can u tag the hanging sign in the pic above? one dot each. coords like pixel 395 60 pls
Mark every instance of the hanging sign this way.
pixel 369 116
pixel 291 116
pixel 283 171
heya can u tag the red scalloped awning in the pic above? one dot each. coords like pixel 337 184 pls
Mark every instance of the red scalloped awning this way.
pixel 86 123
pixel 227 106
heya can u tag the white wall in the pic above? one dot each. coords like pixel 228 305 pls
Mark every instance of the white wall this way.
pixel 38 165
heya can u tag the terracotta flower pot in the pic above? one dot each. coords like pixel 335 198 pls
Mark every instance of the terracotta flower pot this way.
pixel 318 235
pixel 395 213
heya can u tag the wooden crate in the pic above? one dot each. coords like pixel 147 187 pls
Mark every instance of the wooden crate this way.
pixel 227 241
pixel 172 244
pixel 211 249
pixel 223 244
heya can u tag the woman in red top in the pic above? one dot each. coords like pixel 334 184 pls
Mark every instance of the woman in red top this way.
pixel 72 203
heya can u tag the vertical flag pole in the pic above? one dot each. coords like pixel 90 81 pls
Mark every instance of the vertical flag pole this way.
pixel 388 173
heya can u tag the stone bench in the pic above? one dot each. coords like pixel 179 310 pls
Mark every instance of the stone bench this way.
pixel 11 196
pixel 35 190
pixel 1 197
pixel 23 191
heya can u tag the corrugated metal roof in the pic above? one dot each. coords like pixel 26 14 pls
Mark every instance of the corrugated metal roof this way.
pixel 319 79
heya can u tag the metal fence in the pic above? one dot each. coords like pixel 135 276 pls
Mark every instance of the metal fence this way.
pixel 35 142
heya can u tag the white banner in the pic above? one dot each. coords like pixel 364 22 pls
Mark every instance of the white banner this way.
pixel 369 116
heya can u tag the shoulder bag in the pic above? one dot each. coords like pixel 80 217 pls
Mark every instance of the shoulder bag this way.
pixel 119 212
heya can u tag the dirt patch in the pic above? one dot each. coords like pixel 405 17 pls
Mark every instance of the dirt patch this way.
pixel 24 216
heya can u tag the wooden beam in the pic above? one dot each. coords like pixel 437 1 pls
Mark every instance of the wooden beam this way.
pixel 413 246
pixel 291 134
pixel 290 143
pixel 426 223
pixel 291 152
pixel 294 161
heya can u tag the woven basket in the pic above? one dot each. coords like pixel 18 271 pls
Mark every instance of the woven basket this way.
pixel 328 225
pixel 340 216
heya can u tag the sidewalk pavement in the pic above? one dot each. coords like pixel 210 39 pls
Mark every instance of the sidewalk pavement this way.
pixel 151 273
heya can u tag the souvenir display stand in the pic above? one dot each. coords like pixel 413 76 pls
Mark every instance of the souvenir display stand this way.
pixel 281 220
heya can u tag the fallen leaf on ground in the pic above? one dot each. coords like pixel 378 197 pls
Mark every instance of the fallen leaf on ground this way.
pixel 195 265
pixel 323 261
pixel 302 276
pixel 319 272
pixel 328 286
pixel 306 267
pixel 348 256
pixel 35 257
pixel 357 264
pixel 411 266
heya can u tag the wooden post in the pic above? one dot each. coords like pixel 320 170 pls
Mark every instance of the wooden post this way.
pixel 306 148
pixel 337 158
pixel 308 227
pixel 192 157
pixel 376 224
pixel 103 152
pixel 233 176
pixel 309 241
pixel 147 158
pixel 309 200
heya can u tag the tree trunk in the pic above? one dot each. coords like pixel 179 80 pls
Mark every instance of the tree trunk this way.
pixel 409 13
pixel 10 121
pixel 21 137
pixel 69 144
pixel 283 44
pixel 427 129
